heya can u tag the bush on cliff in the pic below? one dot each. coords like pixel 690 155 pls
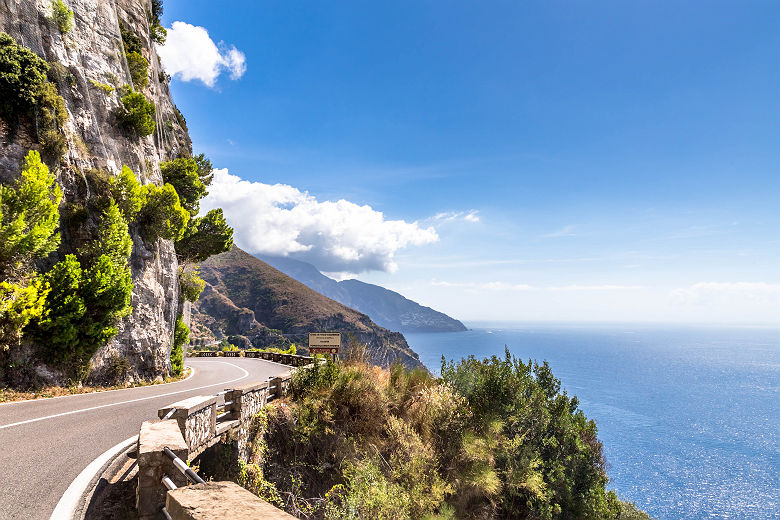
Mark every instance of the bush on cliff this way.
pixel 493 438
pixel 61 16
pixel 137 114
pixel 26 91
pixel 88 295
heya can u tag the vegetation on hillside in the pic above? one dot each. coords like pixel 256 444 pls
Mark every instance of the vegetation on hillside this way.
pixel 492 438
pixel 136 113
pixel 61 16
pixel 61 301
pixel 27 96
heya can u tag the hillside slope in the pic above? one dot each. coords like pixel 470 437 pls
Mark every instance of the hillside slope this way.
pixel 246 297
pixel 387 308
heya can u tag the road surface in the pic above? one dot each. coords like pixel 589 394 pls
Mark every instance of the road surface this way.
pixel 46 443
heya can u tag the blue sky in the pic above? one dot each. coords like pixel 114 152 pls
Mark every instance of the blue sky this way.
pixel 594 161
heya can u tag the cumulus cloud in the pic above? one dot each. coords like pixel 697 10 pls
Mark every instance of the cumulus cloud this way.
pixel 189 53
pixel 338 236
pixel 451 216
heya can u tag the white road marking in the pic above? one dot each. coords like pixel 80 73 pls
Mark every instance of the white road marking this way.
pixel 71 412
pixel 75 492
pixel 47 399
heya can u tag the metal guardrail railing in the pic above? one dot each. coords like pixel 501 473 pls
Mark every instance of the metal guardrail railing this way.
pixel 182 466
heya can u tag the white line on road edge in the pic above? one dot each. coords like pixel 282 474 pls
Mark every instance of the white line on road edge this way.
pixel 71 412
pixel 47 399
pixel 69 501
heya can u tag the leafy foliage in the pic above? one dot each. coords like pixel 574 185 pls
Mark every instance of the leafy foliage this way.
pixel 138 65
pixel 126 192
pixel 113 239
pixel 62 16
pixel 183 174
pixel 139 69
pixel 137 114
pixel 158 31
pixel 29 217
pixel 205 236
pixel 105 87
pixel 205 169
pixel 81 310
pixel 162 215
pixel 492 438
pixel 18 305
pixel 190 284
pixel 22 74
pixel 87 297
pixel 181 335
pixel 25 90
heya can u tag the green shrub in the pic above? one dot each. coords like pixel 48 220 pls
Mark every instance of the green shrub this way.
pixel 161 215
pixel 127 193
pixel 18 305
pixel 22 74
pixel 25 89
pixel 139 69
pixel 84 303
pixel 158 32
pixel 190 284
pixel 81 311
pixel 205 236
pixel 133 47
pixel 108 89
pixel 137 114
pixel 492 438
pixel 183 174
pixel 62 16
pixel 112 240
pixel 29 217
pixel 181 334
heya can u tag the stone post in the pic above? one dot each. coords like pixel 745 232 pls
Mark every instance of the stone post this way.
pixel 153 464
pixel 196 417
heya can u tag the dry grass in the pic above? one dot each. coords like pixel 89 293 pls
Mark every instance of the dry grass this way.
pixel 8 395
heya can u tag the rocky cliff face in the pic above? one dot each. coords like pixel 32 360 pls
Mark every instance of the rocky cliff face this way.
pixel 92 52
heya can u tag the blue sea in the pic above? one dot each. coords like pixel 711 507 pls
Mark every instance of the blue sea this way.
pixel 689 417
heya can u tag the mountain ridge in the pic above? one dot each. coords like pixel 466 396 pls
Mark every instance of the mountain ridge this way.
pixel 254 304
pixel 387 308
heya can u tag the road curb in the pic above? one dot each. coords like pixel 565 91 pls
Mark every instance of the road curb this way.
pixel 45 399
pixel 74 498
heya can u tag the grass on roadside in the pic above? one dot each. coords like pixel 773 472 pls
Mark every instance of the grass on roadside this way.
pixel 7 394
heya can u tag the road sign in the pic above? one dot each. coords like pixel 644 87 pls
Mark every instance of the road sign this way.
pixel 324 342
pixel 323 350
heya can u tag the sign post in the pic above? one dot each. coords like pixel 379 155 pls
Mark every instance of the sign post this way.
pixel 325 343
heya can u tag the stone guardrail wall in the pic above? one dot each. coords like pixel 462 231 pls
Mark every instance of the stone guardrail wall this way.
pixel 277 357
pixel 190 426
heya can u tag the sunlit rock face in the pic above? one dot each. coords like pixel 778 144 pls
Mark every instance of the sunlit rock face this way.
pixel 92 52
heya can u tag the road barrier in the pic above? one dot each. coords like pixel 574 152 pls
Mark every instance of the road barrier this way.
pixel 187 428
pixel 276 357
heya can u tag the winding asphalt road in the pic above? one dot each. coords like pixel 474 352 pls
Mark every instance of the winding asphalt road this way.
pixel 46 443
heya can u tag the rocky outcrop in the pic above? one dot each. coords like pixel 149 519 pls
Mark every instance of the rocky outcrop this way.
pixel 92 53
pixel 247 298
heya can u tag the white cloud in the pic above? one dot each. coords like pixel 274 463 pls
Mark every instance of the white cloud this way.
pixel 565 231
pixel 338 236
pixel 503 286
pixel 451 216
pixel 728 294
pixel 189 53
